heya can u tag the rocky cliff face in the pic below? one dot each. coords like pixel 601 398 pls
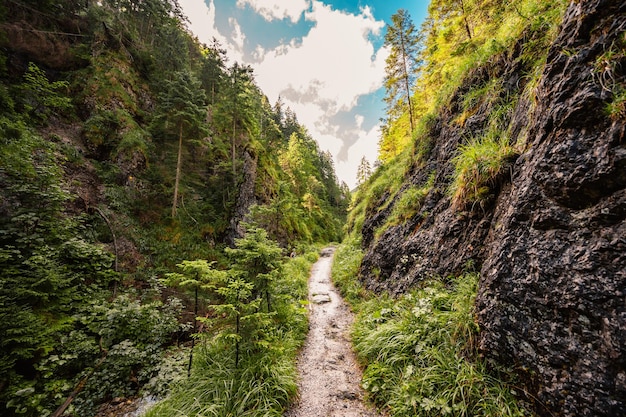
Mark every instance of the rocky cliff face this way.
pixel 551 240
pixel 552 295
pixel 245 199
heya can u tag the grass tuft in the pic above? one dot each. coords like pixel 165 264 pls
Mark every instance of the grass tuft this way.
pixel 477 168
pixel 407 205
pixel 421 358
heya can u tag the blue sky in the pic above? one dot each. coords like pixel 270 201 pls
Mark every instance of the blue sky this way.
pixel 324 58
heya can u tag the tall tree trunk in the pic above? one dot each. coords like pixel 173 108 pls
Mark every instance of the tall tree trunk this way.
pixel 233 150
pixel 407 87
pixel 178 166
pixel 237 344
pixel 467 27
pixel 234 126
pixel 193 339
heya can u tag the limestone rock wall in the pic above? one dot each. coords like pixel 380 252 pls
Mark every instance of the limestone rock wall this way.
pixel 552 298
pixel 550 242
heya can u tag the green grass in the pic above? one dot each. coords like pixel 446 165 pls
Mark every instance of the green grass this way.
pixel 419 351
pixel 449 56
pixel 616 108
pixel 407 206
pixel 346 262
pixel 262 385
pixel 386 179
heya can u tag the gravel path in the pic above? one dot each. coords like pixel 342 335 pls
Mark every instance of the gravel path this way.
pixel 329 374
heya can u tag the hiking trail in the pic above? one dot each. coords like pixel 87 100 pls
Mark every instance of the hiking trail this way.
pixel 330 376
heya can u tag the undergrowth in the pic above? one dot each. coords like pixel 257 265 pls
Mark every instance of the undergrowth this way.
pixel 419 351
pixel 345 268
pixel 407 205
pixel 264 380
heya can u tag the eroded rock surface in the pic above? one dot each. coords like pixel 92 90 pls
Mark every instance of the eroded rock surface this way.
pixel 552 296
pixel 551 239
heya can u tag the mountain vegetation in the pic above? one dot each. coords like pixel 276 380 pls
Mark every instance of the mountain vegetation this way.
pixel 150 197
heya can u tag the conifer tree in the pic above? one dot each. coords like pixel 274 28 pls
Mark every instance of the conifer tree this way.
pixel 197 275
pixel 364 171
pixel 258 259
pixel 402 65
pixel 182 110
pixel 238 109
pixel 213 70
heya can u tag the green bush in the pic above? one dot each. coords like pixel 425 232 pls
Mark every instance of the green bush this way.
pixel 256 375
pixel 101 129
pixel 41 98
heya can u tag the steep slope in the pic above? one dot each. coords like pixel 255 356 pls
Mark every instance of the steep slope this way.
pixel 545 228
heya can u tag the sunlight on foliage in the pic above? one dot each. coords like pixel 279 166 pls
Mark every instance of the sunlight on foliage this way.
pixel 477 168
pixel 460 36
pixel 407 205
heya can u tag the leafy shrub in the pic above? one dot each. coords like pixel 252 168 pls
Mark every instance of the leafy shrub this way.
pixel 133 335
pixel 101 129
pixel 262 379
pixel 41 98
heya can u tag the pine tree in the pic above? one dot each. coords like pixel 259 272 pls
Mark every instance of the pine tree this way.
pixel 363 172
pixel 258 259
pixel 238 109
pixel 182 110
pixel 402 65
pixel 213 70
pixel 198 275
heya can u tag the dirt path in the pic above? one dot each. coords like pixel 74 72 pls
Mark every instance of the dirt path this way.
pixel 329 375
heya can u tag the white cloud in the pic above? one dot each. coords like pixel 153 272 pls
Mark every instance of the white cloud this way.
pixel 259 53
pixel 365 146
pixel 237 36
pixel 333 65
pixel 277 9
pixel 202 24
pixel 336 51
pixel 318 75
